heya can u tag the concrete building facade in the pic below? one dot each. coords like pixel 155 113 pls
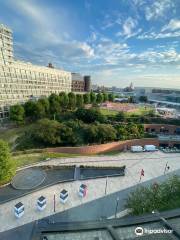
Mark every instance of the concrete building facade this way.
pixel 21 81
pixel 81 83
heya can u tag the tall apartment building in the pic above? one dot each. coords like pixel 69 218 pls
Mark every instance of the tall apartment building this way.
pixel 21 81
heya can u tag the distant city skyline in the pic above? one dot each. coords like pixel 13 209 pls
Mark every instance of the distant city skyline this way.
pixel 116 42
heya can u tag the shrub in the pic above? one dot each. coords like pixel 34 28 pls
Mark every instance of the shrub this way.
pixel 7 167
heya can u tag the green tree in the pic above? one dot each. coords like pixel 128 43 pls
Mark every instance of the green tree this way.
pixel 86 97
pixel 45 103
pixel 72 101
pixel 162 196
pixel 135 130
pixel 91 133
pixel 47 132
pixel 143 99
pixel 64 100
pixel 67 135
pixel 30 109
pixel 90 115
pixel 122 133
pixel 99 98
pixel 40 110
pixel 79 101
pixel 92 97
pixel 111 97
pixel 54 102
pixel 7 167
pixel 52 133
pixel 106 133
pixel 121 116
pixel 105 97
pixel 17 113
pixel 99 133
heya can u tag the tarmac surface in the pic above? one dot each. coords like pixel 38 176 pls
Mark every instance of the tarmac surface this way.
pixel 28 179
pixel 53 176
pixel 33 179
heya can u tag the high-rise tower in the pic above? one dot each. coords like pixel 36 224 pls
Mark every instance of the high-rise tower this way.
pixel 6 45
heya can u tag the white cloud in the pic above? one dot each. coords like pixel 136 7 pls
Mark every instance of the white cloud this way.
pixel 48 28
pixel 173 25
pixel 88 50
pixel 154 35
pixel 111 20
pixel 128 28
pixel 158 9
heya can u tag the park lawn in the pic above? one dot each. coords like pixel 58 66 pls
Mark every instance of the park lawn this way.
pixel 31 158
pixel 139 111
pixel 108 112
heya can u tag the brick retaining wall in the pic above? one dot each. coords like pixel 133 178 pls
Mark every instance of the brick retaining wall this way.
pixel 108 147
pixel 161 128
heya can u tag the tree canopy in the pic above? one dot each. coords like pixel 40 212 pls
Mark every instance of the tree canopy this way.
pixel 17 113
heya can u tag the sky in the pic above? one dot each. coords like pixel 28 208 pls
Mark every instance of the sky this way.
pixel 115 41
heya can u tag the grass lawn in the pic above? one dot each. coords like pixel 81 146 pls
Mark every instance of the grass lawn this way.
pixel 108 112
pixel 30 158
pixel 139 111
pixel 112 153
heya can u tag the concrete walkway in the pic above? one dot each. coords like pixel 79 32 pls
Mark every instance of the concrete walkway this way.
pixel 90 211
pixel 152 163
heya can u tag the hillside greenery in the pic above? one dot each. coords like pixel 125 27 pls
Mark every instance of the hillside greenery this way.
pixel 7 166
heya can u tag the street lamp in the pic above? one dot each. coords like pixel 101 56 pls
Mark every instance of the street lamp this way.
pixel 106 185
pixel 156 213
pixel 166 168
pixel 54 201
pixel 117 202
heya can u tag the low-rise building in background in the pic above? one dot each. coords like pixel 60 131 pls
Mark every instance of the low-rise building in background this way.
pixel 81 83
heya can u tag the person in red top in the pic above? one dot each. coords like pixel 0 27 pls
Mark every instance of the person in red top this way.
pixel 142 174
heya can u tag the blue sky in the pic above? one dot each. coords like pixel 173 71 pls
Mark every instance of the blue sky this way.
pixel 116 41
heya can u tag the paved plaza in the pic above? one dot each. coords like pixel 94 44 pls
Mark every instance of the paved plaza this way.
pixel 152 163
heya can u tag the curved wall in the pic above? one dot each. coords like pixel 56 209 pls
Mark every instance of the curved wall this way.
pixel 107 147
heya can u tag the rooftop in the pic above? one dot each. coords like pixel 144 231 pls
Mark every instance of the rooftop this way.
pixel 113 229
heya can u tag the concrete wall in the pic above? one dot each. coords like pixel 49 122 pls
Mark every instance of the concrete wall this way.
pixel 101 148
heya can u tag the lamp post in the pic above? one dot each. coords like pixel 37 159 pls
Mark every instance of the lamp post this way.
pixel 117 202
pixel 106 185
pixel 54 201
pixel 156 213
pixel 166 168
